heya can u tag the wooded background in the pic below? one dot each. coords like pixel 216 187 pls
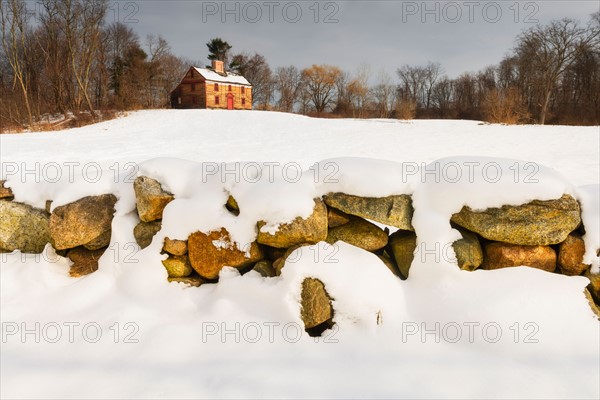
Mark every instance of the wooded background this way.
pixel 70 61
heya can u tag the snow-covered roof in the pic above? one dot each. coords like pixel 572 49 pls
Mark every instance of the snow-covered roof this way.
pixel 212 76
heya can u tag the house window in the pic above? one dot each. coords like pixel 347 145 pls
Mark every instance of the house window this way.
pixel 230 88
pixel 243 101
pixel 216 87
pixel 216 99
pixel 243 89
pixel 193 87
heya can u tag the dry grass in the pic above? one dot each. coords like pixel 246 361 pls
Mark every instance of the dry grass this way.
pixel 71 121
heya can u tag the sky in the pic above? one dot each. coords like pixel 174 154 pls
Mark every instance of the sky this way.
pixel 461 35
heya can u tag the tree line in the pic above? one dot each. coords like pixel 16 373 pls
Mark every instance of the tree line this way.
pixel 70 61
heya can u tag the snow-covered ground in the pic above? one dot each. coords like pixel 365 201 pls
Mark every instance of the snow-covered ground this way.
pixel 125 332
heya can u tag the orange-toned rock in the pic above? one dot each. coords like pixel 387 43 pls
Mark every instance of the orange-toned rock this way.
pixel 209 253
pixel 502 255
pixel 570 255
pixel 84 261
pixel 175 247
pixel 150 198
pixel 5 193
pixel 336 217
pixel 87 220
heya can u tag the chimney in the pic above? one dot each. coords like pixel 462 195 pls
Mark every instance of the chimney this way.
pixel 218 66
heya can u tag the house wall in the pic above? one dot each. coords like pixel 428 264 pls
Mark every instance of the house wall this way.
pixel 194 92
pixel 223 92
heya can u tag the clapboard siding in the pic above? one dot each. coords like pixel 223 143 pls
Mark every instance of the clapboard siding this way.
pixel 194 91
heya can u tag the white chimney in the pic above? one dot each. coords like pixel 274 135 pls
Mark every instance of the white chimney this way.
pixel 218 66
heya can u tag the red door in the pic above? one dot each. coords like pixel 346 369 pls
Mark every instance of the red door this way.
pixel 230 102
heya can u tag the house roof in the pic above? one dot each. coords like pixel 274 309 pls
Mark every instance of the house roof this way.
pixel 229 77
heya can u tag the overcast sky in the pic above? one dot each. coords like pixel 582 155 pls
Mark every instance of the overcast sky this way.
pixel 462 35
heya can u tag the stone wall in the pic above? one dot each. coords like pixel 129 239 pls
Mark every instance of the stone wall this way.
pixel 540 234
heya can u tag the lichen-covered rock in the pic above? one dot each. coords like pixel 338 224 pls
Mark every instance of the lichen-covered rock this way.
pixel 84 261
pixel 570 255
pixel 316 305
pixel 392 210
pixel 232 205
pixel 503 255
pixel 100 242
pixel 23 227
pixel 145 231
pixel 82 221
pixel 178 266
pixel 336 217
pixel 594 286
pixel 193 280
pixel 469 254
pixel 537 223
pixel 265 268
pixel 175 247
pixel 209 253
pixel 5 193
pixel 360 233
pixel 402 245
pixel 310 230
pixel 592 304
pixel 150 198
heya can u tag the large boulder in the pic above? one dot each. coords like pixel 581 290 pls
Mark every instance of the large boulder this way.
pixel 502 255
pixel 316 307
pixel 392 210
pixel 469 254
pixel 23 227
pixel 210 252
pixel 360 233
pixel 402 245
pixel 538 223
pixel 178 266
pixel 150 198
pixel 84 261
pixel 310 230
pixel 84 221
pixel 5 193
pixel 570 255
pixel 145 231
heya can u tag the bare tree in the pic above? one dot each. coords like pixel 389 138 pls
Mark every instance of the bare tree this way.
pixel 432 72
pixel 320 84
pixel 442 96
pixel 358 91
pixel 549 50
pixel 14 24
pixel 256 69
pixel 288 84
pixel 81 21
pixel 384 96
